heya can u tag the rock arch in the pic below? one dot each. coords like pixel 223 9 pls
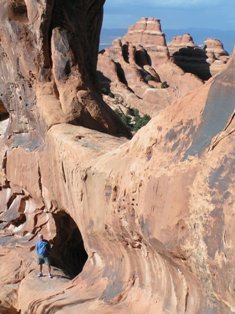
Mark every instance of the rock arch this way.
pixel 68 252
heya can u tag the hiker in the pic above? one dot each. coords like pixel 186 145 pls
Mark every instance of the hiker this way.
pixel 43 255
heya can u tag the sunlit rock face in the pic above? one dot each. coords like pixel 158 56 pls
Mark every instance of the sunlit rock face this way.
pixel 150 222
pixel 148 33
pixel 216 54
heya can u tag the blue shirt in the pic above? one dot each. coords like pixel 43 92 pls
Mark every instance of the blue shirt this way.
pixel 42 248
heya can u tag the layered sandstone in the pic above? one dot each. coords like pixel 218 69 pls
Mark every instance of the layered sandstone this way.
pixel 142 226
pixel 148 33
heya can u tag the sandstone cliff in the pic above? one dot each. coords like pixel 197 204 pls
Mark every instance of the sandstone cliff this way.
pixel 150 221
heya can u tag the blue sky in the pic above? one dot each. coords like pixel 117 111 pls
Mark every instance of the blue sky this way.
pixel 174 14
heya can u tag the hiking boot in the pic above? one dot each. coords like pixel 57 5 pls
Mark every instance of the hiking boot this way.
pixel 40 274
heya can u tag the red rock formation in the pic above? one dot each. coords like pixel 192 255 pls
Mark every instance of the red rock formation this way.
pixel 217 57
pixel 180 41
pixel 147 32
pixel 55 82
pixel 155 213
pixel 153 228
pixel 126 70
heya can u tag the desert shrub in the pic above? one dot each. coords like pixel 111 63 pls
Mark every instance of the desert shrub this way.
pixel 147 78
pixel 132 118
pixel 164 85
pixel 125 118
pixel 119 98
pixel 140 122
pixel 106 91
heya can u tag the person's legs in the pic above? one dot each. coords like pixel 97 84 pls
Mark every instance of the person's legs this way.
pixel 40 263
pixel 48 262
pixel 49 271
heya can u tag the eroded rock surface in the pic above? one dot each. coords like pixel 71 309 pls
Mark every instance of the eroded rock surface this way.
pixel 48 62
pixel 155 215
pixel 148 33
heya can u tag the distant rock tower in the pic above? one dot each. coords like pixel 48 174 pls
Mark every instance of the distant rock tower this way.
pixel 180 41
pixel 217 56
pixel 148 33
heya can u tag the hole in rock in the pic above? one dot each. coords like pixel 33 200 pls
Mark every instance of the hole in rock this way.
pixel 3 112
pixel 4 116
pixel 193 60
pixel 19 221
pixel 68 252
pixel 18 11
pixel 4 119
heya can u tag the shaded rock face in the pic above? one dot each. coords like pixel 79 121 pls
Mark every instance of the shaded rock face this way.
pixel 3 112
pixel 189 57
pixel 154 215
pixel 193 60
pixel 48 62
pixel 204 62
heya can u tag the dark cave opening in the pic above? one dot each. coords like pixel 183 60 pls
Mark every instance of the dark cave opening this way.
pixel 18 11
pixel 3 112
pixel 4 116
pixel 68 252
